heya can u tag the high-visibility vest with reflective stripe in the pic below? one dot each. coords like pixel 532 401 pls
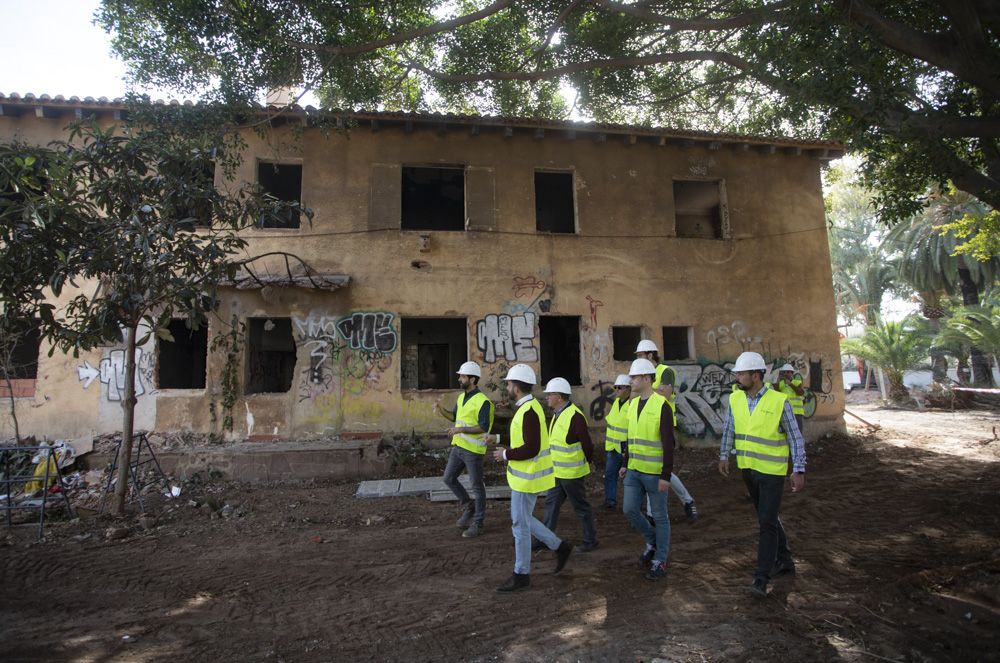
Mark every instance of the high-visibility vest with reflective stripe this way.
pixel 467 416
pixel 760 444
pixel 658 380
pixel 568 460
pixel 645 448
pixel 797 402
pixel 616 426
pixel 534 475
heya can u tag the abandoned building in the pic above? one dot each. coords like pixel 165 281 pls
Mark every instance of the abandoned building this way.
pixel 446 238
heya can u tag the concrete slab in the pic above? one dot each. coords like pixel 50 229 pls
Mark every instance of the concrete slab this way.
pixel 378 488
pixel 431 487
pixel 492 493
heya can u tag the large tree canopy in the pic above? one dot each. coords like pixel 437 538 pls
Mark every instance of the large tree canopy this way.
pixel 912 84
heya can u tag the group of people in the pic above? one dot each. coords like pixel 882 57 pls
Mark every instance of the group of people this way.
pixel 762 431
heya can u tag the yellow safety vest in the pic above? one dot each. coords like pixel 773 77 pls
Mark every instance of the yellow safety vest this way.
pixel 658 380
pixel 534 475
pixel 616 426
pixel 645 448
pixel 760 444
pixel 467 416
pixel 568 460
pixel 798 406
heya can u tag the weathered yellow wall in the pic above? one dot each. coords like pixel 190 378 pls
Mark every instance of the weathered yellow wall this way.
pixel 767 289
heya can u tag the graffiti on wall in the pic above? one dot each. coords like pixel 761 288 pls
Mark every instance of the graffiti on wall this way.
pixel 111 371
pixel 370 331
pixel 602 403
pixel 510 337
pixel 593 305
pixel 525 286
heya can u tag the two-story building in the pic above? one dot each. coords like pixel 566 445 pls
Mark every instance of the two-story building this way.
pixel 446 238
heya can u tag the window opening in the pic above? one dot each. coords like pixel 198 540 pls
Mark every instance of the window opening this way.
pixel 270 355
pixel 433 349
pixel 624 340
pixel 676 343
pixel 698 209
pixel 284 182
pixel 560 347
pixel 554 208
pixel 433 198
pixel 180 364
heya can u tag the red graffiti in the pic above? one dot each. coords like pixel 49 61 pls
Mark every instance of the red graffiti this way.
pixel 594 305
pixel 525 286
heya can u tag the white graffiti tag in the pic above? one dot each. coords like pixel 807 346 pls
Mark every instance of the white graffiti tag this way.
pixel 502 336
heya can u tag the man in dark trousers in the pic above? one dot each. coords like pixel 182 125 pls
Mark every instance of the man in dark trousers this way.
pixel 761 426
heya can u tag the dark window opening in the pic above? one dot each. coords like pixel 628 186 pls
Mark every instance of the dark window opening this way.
pixel 270 355
pixel 816 376
pixel 698 209
pixel 433 198
pixel 554 210
pixel 284 182
pixel 180 364
pixel 193 209
pixel 676 343
pixel 559 346
pixel 433 349
pixel 20 353
pixel 624 340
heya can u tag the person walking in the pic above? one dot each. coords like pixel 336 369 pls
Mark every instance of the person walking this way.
pixel 572 454
pixel 649 457
pixel 529 473
pixel 663 384
pixel 761 427
pixel 791 387
pixel 616 428
pixel 473 417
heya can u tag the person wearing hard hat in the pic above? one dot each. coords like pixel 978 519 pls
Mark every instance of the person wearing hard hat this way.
pixel 663 384
pixel 791 387
pixel 529 473
pixel 572 452
pixel 761 427
pixel 473 417
pixel 649 457
pixel 616 428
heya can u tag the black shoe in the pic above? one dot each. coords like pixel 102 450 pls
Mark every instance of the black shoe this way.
pixel 586 547
pixel 646 557
pixel 783 567
pixel 517 582
pixel 656 571
pixel 691 511
pixel 467 515
pixel 758 589
pixel 562 555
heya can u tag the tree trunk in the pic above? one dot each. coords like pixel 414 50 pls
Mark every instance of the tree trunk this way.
pixel 128 412
pixel 13 411
pixel 982 376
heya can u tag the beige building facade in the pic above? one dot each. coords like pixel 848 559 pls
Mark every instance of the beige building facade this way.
pixel 445 238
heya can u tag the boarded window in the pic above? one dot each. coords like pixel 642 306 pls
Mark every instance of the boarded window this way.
pixel 180 364
pixel 560 347
pixel 433 198
pixel 270 355
pixel 698 209
pixel 284 182
pixel 624 340
pixel 554 208
pixel 677 343
pixel 433 349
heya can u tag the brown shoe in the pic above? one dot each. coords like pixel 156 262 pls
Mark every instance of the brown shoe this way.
pixel 517 582
pixel 563 552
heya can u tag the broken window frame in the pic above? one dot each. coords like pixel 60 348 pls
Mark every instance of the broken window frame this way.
pixel 460 168
pixel 292 223
pixel 724 230
pixel 183 328
pixel 572 185
pixel 250 388
pixel 455 359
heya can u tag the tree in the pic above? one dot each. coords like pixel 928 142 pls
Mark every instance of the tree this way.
pixel 977 326
pixel 896 347
pixel 913 85
pixel 155 237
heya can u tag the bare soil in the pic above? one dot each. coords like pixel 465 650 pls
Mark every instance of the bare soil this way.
pixel 895 537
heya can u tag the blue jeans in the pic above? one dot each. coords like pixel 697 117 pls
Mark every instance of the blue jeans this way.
pixel 639 485
pixel 611 467
pixel 524 526
pixel 462 459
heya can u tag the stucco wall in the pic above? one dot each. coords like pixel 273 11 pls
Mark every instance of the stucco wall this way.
pixel 767 288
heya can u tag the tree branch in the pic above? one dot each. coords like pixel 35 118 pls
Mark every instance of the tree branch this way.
pixel 410 35
pixel 676 24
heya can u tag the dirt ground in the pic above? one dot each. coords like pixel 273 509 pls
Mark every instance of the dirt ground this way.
pixel 895 537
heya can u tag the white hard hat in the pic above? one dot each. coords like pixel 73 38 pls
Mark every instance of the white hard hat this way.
pixel 521 373
pixel 646 345
pixel 749 361
pixel 470 368
pixel 642 367
pixel 622 381
pixel 558 386
pixel 786 367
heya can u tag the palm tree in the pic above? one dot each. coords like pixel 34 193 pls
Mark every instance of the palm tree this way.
pixel 976 326
pixel 927 263
pixel 896 347
pixel 860 290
